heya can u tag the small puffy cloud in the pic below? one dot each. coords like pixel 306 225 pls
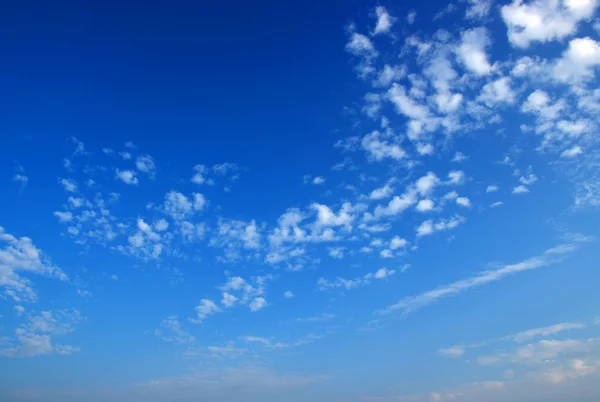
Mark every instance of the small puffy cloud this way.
pixel 361 46
pixel 228 300
pixel 456 177
pixel 572 152
pixel 379 148
pixel 179 207
pixel 426 184
pixel 497 92
pixel 426 205
pixel 429 227
pixel 520 189
pixel 543 20
pixel 528 179
pixel 384 21
pixel 383 273
pixel 161 225
pixel 398 242
pixel 204 309
pixel 406 105
pixel 472 51
pixel 125 155
pixel 459 157
pixel 145 163
pixel 288 294
pixel 69 185
pixel 388 75
pixel 425 149
pixel 200 176
pixel 578 62
pixel 199 202
pixel 492 189
pixel 64 216
pixel 127 176
pixel 463 202
pixel 478 9
pixel 496 204
pixel 381 192
pixel 318 180
pixel 336 252
pixel 257 304
pixel 411 17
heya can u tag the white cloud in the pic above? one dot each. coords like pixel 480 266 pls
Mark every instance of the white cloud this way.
pixel 544 20
pixel 199 176
pixel 425 149
pixel 145 163
pixel 326 217
pixel 361 46
pixel 349 284
pixel 411 17
pixel 496 204
pixel 397 205
pixel 228 300
pixel 492 189
pixel 205 309
pixel 455 351
pixel 463 202
pixel 336 252
pixel 429 227
pixel 572 152
pixel 459 157
pixel 318 180
pixel 528 179
pixel 19 255
pixel 384 21
pixel 381 192
pixel 521 189
pixel 378 148
pixel 456 177
pixel 288 294
pixel 34 338
pixel 257 304
pixel 413 303
pixel 425 205
pixel 127 176
pixel 171 331
pixel 125 155
pixel 161 225
pixel 383 273
pixel 478 9
pixel 578 62
pixel 405 105
pixel 497 92
pixel 180 207
pixel 472 51
pixel 426 184
pixel 388 75
pixel 526 336
pixel 69 185
pixel 64 216
pixel 398 242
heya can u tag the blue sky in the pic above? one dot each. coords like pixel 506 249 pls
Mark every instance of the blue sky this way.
pixel 349 201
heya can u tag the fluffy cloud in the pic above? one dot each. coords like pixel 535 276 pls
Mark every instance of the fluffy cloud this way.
pixel 384 21
pixel 127 176
pixel 205 309
pixel 544 20
pixel 378 147
pixel 21 256
pixel 472 51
